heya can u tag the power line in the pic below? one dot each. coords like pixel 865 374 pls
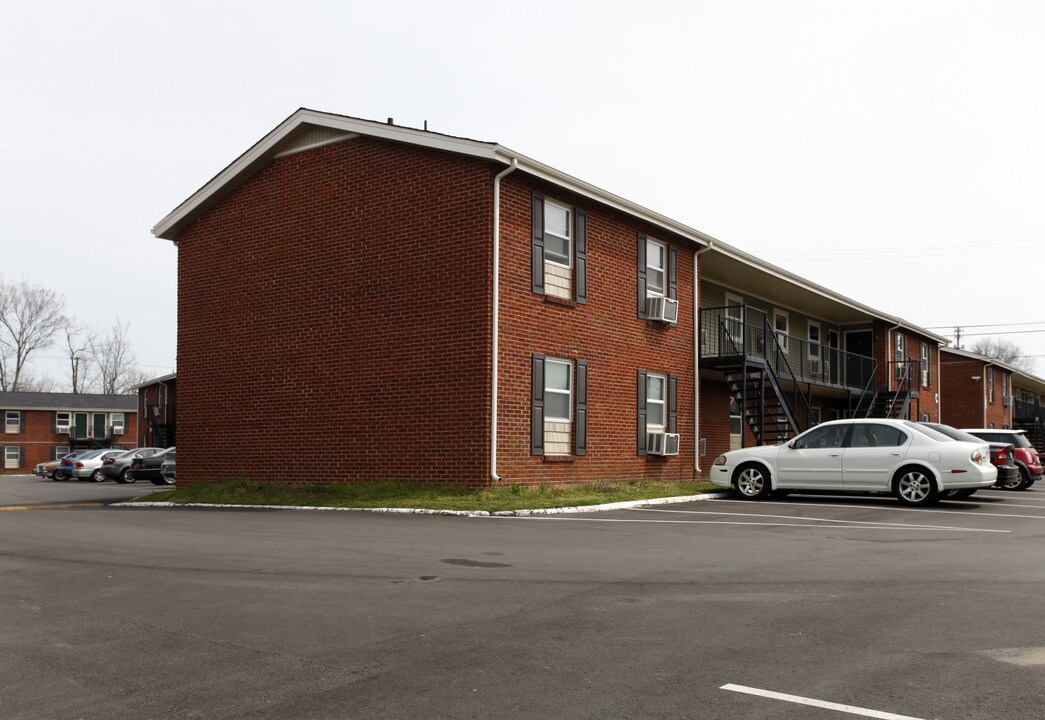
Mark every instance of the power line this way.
pixel 1019 324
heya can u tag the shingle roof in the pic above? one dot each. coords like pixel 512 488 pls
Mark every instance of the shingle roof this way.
pixel 67 401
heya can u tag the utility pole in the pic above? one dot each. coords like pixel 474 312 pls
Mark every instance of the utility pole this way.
pixel 958 336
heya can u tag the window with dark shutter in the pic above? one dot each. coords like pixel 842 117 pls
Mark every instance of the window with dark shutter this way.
pixel 580 258
pixel 641 262
pixel 580 417
pixel 673 403
pixel 537 406
pixel 537 245
pixel 641 419
pixel 673 273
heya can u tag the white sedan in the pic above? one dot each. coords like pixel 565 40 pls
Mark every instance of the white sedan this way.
pixel 913 462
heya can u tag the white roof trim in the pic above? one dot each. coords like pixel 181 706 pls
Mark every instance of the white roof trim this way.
pixel 169 227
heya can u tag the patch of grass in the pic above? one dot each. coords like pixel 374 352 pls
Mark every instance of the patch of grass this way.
pixel 442 497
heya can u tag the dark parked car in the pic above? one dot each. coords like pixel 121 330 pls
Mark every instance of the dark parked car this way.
pixel 148 468
pixel 118 468
pixel 1003 457
pixel 1027 459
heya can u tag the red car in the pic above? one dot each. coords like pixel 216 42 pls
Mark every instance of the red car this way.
pixel 1027 459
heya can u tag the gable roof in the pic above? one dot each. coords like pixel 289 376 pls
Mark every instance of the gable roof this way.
pixel 306 129
pixel 68 401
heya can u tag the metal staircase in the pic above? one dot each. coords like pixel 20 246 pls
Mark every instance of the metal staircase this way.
pixel 765 407
pixel 895 404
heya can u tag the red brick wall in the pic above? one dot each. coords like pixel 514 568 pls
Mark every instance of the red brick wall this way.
pixel 334 321
pixel 606 332
pixel 965 401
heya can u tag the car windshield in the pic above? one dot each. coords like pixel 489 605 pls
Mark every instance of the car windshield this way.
pixel 929 432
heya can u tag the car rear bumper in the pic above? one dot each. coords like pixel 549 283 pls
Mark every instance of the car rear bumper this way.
pixel 1008 473
pixel 979 476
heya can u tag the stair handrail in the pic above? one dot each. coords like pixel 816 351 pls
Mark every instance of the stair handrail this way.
pixel 903 388
pixel 868 391
pixel 781 355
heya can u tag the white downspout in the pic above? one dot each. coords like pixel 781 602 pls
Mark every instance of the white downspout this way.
pixel 496 314
pixel 984 393
pixel 696 356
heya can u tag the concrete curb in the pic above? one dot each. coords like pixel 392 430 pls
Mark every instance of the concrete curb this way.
pixel 422 511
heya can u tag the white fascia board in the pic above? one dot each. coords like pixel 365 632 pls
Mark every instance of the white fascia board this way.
pixel 155 381
pixel 740 255
pixel 557 177
pixel 263 150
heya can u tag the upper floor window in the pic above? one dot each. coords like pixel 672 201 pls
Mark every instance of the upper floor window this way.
pixel 557 236
pixel 656 267
pixel 900 354
pixel 927 368
pixel 62 422
pixel 118 422
pixel 12 421
pixel 559 251
pixel 656 397
pixel 990 384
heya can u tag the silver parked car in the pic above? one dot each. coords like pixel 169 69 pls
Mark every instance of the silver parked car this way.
pixel 89 465
pixel 117 468
pixel 168 468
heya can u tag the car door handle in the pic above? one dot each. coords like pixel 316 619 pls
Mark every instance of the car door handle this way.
pixel 833 454
pixel 896 454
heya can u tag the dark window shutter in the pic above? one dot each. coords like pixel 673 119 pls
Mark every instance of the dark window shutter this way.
pixel 673 403
pixel 54 423
pixel 537 406
pixel 673 273
pixel 21 422
pixel 21 457
pixel 537 245
pixel 580 258
pixel 642 281
pixel 580 430
pixel 642 413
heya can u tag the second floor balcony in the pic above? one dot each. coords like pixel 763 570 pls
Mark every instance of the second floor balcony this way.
pixel 730 334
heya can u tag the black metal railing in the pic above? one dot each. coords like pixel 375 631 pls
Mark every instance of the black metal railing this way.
pixel 740 330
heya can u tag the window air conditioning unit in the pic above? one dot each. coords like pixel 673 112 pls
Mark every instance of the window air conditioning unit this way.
pixel 663 309
pixel 662 443
pixel 1006 400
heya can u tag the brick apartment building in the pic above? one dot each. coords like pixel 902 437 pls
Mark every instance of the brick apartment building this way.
pixel 42 426
pixel 366 297
pixel 779 354
pixel 157 406
pixel 983 392
pixel 397 304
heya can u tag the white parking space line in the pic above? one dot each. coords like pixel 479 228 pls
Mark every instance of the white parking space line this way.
pixel 841 523
pixel 850 709
pixel 891 509
pixel 573 518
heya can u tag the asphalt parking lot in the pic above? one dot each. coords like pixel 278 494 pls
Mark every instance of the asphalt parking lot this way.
pixel 811 607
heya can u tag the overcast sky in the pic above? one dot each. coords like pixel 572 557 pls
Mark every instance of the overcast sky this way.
pixel 892 151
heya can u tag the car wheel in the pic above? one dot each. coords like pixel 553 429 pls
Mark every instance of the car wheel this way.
pixel 913 486
pixel 752 481
pixel 1021 482
pixel 122 477
pixel 97 475
pixel 55 476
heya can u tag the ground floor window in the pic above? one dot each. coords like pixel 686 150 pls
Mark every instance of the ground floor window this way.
pixel 12 457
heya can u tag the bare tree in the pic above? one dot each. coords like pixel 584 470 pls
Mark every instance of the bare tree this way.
pixel 115 362
pixel 77 349
pixel 1006 351
pixel 30 315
